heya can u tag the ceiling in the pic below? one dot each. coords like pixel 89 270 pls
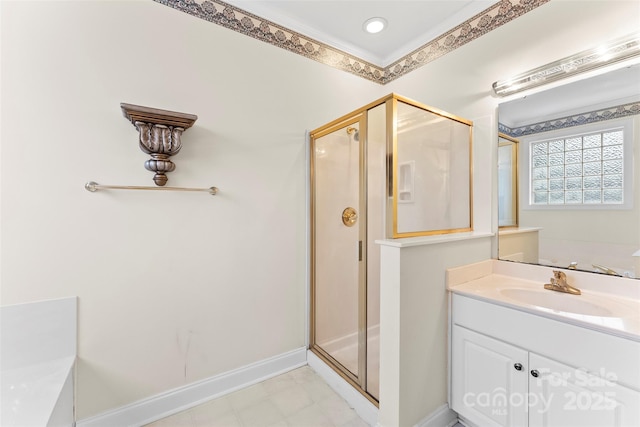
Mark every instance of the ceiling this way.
pixel 339 23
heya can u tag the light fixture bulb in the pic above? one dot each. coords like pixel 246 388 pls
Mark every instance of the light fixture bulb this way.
pixel 625 48
pixel 374 25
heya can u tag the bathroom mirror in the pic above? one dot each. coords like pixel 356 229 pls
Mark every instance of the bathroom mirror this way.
pixel 507 181
pixel 578 196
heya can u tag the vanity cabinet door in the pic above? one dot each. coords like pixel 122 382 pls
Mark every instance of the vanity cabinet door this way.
pixel 564 396
pixel 488 380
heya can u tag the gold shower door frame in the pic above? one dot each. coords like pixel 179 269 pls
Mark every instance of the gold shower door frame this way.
pixel 358 379
pixel 383 110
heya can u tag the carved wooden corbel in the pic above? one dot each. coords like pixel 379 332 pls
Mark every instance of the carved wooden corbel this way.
pixel 160 136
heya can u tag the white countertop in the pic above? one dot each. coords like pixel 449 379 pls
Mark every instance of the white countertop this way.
pixel 605 312
pixel 30 393
pixel 433 240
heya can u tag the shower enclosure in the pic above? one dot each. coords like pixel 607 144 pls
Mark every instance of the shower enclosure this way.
pixel 386 170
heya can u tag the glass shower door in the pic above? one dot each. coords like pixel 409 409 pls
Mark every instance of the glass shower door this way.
pixel 338 230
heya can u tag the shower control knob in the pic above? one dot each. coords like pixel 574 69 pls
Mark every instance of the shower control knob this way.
pixel 518 366
pixel 349 217
pixel 535 373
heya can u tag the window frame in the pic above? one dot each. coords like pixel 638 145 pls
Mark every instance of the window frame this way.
pixel 627 126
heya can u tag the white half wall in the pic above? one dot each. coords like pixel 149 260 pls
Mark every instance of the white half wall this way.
pixel 413 324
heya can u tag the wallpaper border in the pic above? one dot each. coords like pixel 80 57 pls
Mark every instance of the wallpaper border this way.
pixel 610 113
pixel 236 19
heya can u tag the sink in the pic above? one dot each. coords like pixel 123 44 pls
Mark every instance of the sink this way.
pixel 615 312
pixel 557 301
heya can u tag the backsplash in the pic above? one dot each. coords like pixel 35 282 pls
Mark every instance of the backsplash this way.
pixel 620 286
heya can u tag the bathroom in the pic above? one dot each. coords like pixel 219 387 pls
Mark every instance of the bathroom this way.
pixel 176 288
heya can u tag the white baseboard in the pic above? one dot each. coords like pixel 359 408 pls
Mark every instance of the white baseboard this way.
pixel 441 417
pixel 182 398
pixel 466 423
pixel 363 407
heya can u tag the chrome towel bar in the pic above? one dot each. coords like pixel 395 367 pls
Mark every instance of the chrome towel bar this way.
pixel 94 186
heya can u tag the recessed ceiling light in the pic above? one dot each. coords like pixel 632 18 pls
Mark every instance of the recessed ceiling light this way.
pixel 374 25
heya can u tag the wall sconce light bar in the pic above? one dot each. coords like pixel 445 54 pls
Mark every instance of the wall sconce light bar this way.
pixel 617 50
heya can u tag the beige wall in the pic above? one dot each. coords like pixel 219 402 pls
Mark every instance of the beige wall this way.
pixel 174 288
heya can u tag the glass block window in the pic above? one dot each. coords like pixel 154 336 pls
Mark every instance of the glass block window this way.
pixel 582 169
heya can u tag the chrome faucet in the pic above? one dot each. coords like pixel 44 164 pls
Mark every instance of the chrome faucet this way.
pixel 559 284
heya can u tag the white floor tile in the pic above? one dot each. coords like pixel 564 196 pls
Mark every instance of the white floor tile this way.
pixel 311 416
pixel 248 396
pixel 318 390
pixel 218 412
pixel 299 398
pixel 279 383
pixel 337 410
pixel 291 400
pixel 356 422
pixel 226 420
pixel 263 413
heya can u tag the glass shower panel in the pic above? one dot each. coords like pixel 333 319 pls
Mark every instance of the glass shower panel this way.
pixel 376 201
pixel 432 174
pixel 337 249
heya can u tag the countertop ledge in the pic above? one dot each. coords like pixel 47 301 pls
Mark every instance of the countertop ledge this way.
pixel 623 322
pixel 518 230
pixel 433 240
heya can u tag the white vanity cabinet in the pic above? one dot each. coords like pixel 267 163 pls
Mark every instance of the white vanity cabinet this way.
pixel 512 368
pixel 485 373
pixel 567 396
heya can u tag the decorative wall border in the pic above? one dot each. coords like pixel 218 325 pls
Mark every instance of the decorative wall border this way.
pixel 254 26
pixel 251 25
pixel 479 25
pixel 610 113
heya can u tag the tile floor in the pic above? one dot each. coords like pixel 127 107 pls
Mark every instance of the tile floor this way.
pixel 299 398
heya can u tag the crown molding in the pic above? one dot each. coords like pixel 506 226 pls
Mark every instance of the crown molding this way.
pixel 239 20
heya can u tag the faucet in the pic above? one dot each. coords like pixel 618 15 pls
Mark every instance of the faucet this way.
pixel 606 270
pixel 559 284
